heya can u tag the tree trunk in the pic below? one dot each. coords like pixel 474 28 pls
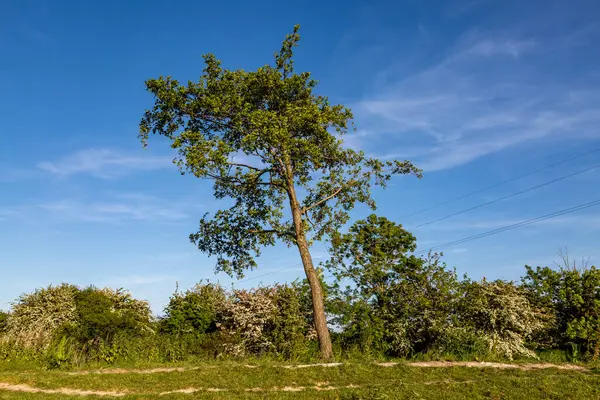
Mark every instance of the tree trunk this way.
pixel 316 289
pixel 318 303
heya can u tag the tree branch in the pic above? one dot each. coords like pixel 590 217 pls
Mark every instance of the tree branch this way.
pixel 248 166
pixel 275 231
pixel 331 196
pixel 231 179
pixel 324 200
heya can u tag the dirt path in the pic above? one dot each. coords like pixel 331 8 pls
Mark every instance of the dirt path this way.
pixel 424 364
pixel 319 386
pixel 475 364
pixel 65 391
pixel 134 371
pixel 326 365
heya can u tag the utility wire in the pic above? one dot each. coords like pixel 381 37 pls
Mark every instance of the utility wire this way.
pixel 482 205
pixel 473 237
pixel 514 226
pixel 508 196
pixel 270 273
pixel 535 171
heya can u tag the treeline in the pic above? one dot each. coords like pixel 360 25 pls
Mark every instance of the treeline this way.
pixel 384 301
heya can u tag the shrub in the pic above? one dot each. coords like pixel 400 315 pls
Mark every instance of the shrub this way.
pixel 501 313
pixel 193 312
pixel 102 314
pixel 265 320
pixel 571 298
pixel 37 316
pixel 394 302
pixel 291 325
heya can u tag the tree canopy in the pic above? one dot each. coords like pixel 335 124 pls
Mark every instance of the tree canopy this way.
pixel 259 134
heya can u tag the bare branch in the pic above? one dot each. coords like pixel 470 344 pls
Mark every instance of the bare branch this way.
pixel 326 199
pixel 308 219
pixel 246 166
pixel 256 231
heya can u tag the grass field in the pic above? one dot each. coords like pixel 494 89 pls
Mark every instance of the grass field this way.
pixel 228 380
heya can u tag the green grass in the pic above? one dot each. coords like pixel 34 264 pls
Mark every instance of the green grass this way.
pixel 351 381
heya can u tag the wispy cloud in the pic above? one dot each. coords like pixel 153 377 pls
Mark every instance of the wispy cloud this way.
pixel 118 209
pixel 491 92
pixel 493 47
pixel 9 213
pixel 104 163
pixel 138 280
pixel 10 174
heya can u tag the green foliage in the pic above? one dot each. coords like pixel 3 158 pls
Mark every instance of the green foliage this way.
pixel 500 312
pixel 571 299
pixel 102 314
pixel 461 343
pixel 193 312
pixel 394 302
pixel 59 353
pixel 291 327
pixel 261 136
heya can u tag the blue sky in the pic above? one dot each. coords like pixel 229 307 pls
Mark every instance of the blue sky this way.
pixel 474 92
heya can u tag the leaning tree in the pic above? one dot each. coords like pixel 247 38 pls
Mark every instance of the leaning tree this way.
pixel 275 148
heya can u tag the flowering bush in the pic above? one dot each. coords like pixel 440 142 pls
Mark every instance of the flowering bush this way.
pixel 36 317
pixel 265 320
pixel 501 313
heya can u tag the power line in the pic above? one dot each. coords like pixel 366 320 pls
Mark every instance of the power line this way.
pixel 515 226
pixel 270 273
pixel 508 196
pixel 535 171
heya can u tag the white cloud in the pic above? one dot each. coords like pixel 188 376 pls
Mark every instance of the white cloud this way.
pixel 507 47
pixel 485 96
pixel 128 207
pixel 104 163
pixel 138 280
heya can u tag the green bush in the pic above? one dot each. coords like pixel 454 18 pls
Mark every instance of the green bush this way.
pixel 394 302
pixel 103 319
pixel 570 297
pixel 193 312
pixel 102 314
